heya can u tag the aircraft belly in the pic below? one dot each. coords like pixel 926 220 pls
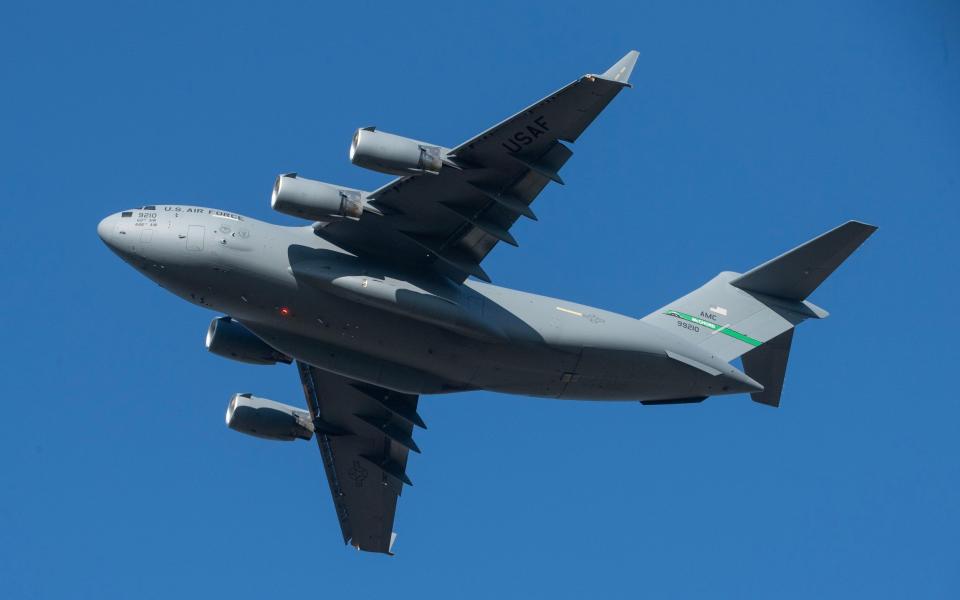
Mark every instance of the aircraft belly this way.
pixel 355 365
pixel 605 374
pixel 381 347
pixel 421 336
pixel 532 370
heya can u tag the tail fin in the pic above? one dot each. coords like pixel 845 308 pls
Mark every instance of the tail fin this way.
pixel 753 314
pixel 767 364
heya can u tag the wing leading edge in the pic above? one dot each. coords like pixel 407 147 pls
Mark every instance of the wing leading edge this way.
pixel 452 220
pixel 364 433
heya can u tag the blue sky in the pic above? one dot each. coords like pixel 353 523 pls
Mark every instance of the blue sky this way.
pixel 749 129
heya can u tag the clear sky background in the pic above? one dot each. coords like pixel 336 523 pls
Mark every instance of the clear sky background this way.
pixel 749 130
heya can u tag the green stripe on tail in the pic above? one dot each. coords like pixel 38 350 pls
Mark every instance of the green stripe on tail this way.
pixel 713 326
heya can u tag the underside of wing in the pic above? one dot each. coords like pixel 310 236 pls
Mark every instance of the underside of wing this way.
pixel 365 434
pixel 452 219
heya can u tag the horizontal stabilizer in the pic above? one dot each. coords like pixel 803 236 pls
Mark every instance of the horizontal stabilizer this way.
pixel 797 273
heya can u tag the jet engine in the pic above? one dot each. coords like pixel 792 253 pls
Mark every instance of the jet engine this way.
pixel 230 339
pixel 267 419
pixel 388 153
pixel 315 200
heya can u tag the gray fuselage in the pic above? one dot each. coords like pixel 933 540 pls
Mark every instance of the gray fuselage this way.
pixel 411 331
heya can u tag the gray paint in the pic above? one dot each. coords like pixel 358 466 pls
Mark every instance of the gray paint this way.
pixel 377 310
pixel 415 332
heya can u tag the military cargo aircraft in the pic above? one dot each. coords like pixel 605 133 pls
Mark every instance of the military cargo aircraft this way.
pixel 382 298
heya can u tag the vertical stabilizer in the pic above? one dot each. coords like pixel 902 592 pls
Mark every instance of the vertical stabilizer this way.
pixel 767 364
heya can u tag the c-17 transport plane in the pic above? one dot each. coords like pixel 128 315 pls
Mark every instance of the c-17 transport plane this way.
pixel 373 300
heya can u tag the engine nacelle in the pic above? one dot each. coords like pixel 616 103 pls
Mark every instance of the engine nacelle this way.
pixel 230 339
pixel 315 200
pixel 267 419
pixel 388 153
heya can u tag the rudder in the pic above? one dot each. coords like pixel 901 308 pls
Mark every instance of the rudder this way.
pixel 767 365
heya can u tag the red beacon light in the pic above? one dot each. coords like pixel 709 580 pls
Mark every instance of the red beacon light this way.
pixel 284 311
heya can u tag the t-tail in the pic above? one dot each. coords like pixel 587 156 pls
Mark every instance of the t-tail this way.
pixel 753 314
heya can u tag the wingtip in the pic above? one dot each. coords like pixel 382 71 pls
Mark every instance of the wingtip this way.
pixel 393 540
pixel 621 70
pixel 861 229
pixel 869 226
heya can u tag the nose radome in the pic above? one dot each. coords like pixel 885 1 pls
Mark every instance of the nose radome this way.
pixel 106 227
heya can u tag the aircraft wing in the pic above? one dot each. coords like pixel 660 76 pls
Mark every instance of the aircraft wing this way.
pixel 364 433
pixel 453 219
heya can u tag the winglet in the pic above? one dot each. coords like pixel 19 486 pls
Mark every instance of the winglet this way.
pixel 620 72
pixel 393 539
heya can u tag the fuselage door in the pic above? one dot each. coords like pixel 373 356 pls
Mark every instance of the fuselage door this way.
pixel 145 237
pixel 195 235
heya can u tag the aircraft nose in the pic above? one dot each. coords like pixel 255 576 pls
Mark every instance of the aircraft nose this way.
pixel 106 228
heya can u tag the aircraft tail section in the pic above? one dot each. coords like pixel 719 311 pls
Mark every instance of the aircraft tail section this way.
pixel 753 314
pixel 728 321
pixel 795 274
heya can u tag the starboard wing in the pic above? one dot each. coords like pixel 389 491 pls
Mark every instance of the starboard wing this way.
pixel 452 220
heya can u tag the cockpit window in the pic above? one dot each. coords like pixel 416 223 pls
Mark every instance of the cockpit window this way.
pixel 148 207
pixel 125 214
